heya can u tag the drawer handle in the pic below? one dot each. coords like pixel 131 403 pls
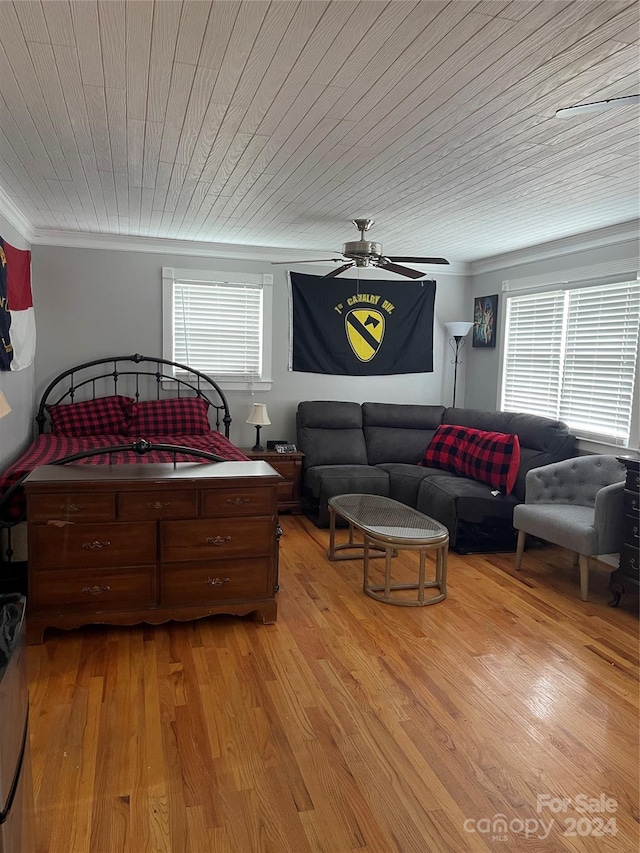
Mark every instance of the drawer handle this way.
pixel 217 540
pixel 158 504
pixel 95 546
pixel 96 590
pixel 635 531
pixel 632 562
pixel 238 501
pixel 217 581
pixel 71 507
pixel 634 503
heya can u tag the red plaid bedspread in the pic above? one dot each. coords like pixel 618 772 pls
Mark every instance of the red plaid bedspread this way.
pixel 48 448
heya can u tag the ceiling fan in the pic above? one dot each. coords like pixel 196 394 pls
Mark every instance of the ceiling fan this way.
pixel 365 253
pixel 597 106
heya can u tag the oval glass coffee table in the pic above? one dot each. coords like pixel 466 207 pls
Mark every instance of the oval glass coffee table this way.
pixel 388 526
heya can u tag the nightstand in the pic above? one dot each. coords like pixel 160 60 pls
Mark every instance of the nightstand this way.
pixel 289 466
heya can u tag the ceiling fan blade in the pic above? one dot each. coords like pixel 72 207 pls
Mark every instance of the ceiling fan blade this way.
pixel 409 273
pixel 334 273
pixel 597 106
pixel 311 261
pixel 419 260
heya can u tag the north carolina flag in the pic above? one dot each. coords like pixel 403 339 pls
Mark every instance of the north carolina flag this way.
pixel 17 319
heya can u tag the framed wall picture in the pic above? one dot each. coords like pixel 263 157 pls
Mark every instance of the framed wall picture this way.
pixel 485 318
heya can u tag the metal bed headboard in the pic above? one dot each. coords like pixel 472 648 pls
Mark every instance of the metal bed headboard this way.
pixel 188 380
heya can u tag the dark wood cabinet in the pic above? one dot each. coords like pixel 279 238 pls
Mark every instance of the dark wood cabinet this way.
pixel 148 543
pixel 289 466
pixel 628 573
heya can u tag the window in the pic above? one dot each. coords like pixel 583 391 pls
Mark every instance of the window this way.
pixel 571 354
pixel 215 322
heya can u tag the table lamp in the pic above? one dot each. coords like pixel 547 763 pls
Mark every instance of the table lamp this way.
pixel 258 417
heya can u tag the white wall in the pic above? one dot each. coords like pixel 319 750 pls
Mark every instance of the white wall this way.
pixel 96 302
pixel 17 386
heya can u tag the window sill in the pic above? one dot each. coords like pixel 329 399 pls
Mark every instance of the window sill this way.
pixel 263 385
pixel 230 385
pixel 588 445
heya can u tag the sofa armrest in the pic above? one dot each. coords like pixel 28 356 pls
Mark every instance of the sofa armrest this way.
pixel 609 518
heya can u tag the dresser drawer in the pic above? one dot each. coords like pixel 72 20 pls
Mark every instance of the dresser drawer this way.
pixel 226 580
pixel 285 467
pixel 630 561
pixel 215 539
pixel 631 504
pixel 92 545
pixel 228 502
pixel 140 506
pixel 633 479
pixel 286 492
pixel 82 506
pixel 94 591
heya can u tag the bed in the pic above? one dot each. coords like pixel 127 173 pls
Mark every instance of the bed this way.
pixel 125 413
pixel 88 409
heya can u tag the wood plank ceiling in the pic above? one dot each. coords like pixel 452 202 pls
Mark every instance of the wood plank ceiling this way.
pixel 275 123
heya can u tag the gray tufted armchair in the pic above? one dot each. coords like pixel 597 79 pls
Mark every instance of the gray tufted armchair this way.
pixel 576 503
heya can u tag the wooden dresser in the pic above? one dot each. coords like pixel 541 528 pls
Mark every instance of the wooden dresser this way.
pixel 628 574
pixel 125 544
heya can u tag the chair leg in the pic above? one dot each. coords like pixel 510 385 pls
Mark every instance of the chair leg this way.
pixel 520 549
pixel 584 577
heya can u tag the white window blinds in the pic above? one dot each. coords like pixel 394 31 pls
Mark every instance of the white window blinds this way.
pixel 571 354
pixel 217 328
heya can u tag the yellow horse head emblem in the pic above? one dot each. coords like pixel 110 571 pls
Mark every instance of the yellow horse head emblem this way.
pixel 365 330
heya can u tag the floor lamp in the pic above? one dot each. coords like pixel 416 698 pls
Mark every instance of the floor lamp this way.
pixel 457 331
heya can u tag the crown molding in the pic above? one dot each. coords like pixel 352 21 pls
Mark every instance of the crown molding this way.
pixel 608 236
pixel 15 217
pixel 194 248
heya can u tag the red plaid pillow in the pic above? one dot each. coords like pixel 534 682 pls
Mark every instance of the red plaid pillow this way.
pixel 102 416
pixel 488 457
pixel 178 416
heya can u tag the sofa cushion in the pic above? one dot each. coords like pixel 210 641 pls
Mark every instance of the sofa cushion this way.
pixel 405 479
pixel 398 433
pixel 325 481
pixel 492 458
pixel 330 432
pixel 450 499
pixel 542 440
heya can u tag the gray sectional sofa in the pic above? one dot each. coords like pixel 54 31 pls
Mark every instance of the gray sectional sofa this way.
pixel 375 448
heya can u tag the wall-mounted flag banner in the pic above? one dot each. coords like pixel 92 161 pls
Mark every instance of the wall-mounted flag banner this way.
pixel 361 328
pixel 17 319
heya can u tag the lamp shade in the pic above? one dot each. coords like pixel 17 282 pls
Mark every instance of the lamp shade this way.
pixel 5 408
pixel 459 328
pixel 258 415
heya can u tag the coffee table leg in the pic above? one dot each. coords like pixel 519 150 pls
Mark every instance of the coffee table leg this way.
pixel 421 576
pixel 387 572
pixel 332 533
pixel 441 568
pixel 365 567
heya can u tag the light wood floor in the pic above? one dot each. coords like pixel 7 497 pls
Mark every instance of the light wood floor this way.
pixel 350 725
